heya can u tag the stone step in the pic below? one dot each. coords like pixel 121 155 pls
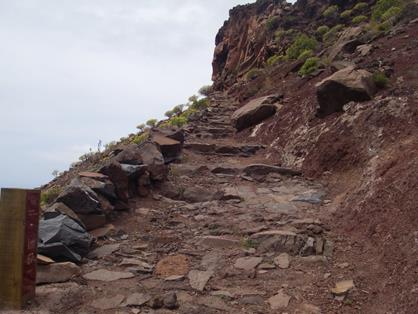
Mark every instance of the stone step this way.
pixel 225 150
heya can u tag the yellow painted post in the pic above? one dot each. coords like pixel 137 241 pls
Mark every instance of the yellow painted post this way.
pixel 19 218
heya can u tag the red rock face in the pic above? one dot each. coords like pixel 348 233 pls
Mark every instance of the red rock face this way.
pixel 246 40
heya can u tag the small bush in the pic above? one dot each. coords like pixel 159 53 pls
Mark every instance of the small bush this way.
pixel 48 196
pixel 301 44
pixel 346 14
pixel 332 32
pixel 205 90
pixel 141 127
pixel 359 19
pixel 199 104
pixel 178 109
pixel 140 138
pixel 391 14
pixel 151 123
pixel 321 30
pixel 380 79
pixel 306 54
pixel 272 23
pixel 279 34
pixel 382 6
pixel 169 113
pixel 179 121
pixel 360 6
pixel 275 59
pixel 310 66
pixel 330 11
pixel 253 74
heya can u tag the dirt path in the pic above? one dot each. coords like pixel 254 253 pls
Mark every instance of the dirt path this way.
pixel 216 238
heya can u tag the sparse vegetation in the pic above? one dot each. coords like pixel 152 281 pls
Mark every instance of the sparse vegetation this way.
pixel 48 196
pixel 383 6
pixel 346 14
pixel 380 79
pixel 253 74
pixel 275 59
pixel 248 243
pixel 272 23
pixel 310 66
pixel 205 90
pixel 300 45
pixel 140 138
pixel 331 34
pixel 331 11
pixel 359 19
pixel 151 123
pixel 322 30
pixel 141 127
pixel 391 14
pixel 305 55
pixel 360 6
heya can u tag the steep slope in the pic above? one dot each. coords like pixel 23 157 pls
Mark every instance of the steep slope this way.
pixel 365 154
pixel 309 208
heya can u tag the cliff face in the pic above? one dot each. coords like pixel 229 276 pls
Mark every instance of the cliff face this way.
pixel 247 39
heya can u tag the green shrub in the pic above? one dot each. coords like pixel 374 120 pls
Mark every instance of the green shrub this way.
pixel 279 34
pixel 48 196
pixel 346 14
pixel 310 66
pixel 380 79
pixel 179 121
pixel 272 23
pixel 360 6
pixel 382 6
pixel 205 90
pixel 306 54
pixel 332 32
pixel 140 138
pixel 275 59
pixel 178 109
pixel 391 14
pixel 141 127
pixel 253 74
pixel 151 123
pixel 331 10
pixel 321 30
pixel 169 113
pixel 301 43
pixel 359 19
pixel 199 104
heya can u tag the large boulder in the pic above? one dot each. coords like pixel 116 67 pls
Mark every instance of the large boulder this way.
pixel 342 87
pixel 170 148
pixel 80 198
pixel 154 160
pixel 255 111
pixel 99 183
pixel 119 178
pixel 130 154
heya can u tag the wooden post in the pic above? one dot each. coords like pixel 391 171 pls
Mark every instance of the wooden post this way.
pixel 19 219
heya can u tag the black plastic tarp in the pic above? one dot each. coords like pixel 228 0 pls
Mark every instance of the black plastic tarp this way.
pixel 63 239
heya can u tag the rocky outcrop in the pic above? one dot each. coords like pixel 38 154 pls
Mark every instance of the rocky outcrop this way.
pixel 255 111
pixel 342 87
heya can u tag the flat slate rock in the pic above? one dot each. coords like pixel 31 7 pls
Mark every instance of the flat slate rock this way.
pixel 248 263
pixel 137 299
pixel 104 250
pixel 55 273
pixel 106 275
pixel 198 279
pixel 108 303
pixel 279 301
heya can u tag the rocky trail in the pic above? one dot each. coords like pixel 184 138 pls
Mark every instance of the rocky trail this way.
pixel 226 233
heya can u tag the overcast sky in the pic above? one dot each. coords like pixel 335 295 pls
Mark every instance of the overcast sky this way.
pixel 73 72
